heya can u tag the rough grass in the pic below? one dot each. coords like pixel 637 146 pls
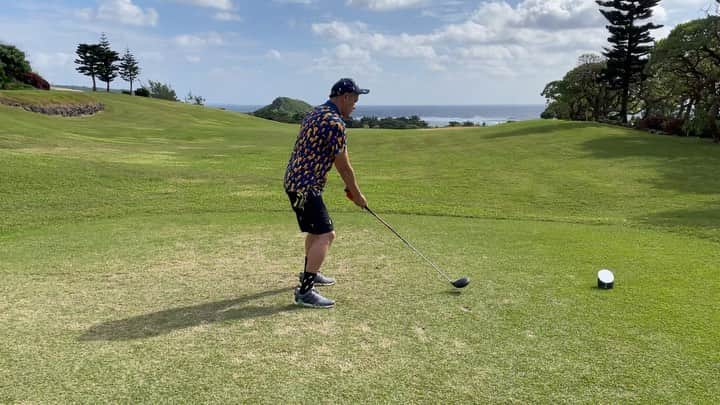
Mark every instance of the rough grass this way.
pixel 148 255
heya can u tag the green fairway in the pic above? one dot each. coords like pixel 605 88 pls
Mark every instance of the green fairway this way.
pixel 148 254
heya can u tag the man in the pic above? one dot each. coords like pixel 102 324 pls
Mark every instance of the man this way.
pixel 321 144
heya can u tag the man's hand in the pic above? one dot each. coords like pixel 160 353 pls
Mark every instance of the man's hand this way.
pixel 358 199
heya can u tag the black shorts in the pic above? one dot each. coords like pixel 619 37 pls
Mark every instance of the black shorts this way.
pixel 311 213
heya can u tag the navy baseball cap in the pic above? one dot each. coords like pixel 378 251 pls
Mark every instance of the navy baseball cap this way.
pixel 344 86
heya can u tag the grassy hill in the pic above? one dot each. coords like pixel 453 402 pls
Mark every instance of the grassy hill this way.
pixel 149 254
pixel 284 109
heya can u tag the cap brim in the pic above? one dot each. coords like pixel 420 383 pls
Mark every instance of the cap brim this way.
pixel 363 91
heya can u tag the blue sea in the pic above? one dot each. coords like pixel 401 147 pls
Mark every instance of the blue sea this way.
pixel 435 115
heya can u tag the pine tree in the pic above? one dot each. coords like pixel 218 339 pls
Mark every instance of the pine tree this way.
pixel 89 61
pixel 630 44
pixel 129 69
pixel 108 69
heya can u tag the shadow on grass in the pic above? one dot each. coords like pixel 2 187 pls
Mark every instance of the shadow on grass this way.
pixel 545 128
pixel 684 164
pixel 701 222
pixel 159 323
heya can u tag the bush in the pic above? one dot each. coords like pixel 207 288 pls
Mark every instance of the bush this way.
pixel 127 92
pixel 162 91
pixel 13 63
pixel 699 125
pixel 667 125
pixel 15 85
pixel 142 92
pixel 556 110
pixel 36 81
pixel 674 126
pixel 651 122
pixel 3 77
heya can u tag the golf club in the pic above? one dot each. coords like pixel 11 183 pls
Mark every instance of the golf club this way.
pixel 459 283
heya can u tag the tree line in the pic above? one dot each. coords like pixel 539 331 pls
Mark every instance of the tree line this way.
pixel 100 62
pixel 412 122
pixel 671 85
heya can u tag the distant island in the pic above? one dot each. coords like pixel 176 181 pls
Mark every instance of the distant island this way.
pixel 284 109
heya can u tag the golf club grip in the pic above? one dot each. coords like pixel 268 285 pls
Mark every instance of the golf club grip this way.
pixel 349 196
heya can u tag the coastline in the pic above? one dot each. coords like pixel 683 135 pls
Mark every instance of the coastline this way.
pixel 436 115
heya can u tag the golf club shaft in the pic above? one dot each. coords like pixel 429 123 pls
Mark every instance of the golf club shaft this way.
pixel 408 243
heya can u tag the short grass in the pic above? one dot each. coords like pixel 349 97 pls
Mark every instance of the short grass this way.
pixel 34 97
pixel 148 253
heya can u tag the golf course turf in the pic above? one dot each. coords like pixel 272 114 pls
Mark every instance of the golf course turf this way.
pixel 148 254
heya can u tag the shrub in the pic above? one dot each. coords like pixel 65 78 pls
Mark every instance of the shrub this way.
pixel 3 77
pixel 674 126
pixel 651 122
pixel 162 91
pixel 15 85
pixel 13 62
pixel 142 92
pixel 127 92
pixel 699 125
pixel 36 81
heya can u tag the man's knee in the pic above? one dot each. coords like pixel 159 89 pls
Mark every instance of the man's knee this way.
pixel 324 238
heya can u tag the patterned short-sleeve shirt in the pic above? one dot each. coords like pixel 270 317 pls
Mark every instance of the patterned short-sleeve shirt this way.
pixel 321 138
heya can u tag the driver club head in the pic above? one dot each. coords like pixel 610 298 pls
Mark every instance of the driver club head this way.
pixel 461 282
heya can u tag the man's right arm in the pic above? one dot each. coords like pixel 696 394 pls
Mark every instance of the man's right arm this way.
pixel 342 164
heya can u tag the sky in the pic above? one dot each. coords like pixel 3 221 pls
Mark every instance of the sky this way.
pixel 407 52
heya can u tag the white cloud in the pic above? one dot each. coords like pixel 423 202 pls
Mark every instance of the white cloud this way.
pixel 227 16
pixel 497 39
pixel 660 15
pixel 274 54
pixel 436 67
pixel 339 31
pixel 225 5
pixel 42 61
pixel 123 11
pixel 345 59
pixel 403 45
pixel 540 14
pixel 346 52
pixel 84 13
pixel 199 41
pixel 305 2
pixel 691 5
pixel 192 58
pixel 385 5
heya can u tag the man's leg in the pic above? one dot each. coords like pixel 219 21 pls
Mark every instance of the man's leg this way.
pixel 317 247
pixel 314 219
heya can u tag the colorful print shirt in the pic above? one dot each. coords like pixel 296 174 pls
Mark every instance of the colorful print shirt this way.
pixel 321 138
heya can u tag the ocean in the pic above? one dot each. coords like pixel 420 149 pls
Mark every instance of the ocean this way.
pixel 435 115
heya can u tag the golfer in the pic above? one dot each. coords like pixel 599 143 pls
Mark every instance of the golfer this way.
pixel 321 143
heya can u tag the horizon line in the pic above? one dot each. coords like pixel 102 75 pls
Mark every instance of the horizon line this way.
pixel 406 105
